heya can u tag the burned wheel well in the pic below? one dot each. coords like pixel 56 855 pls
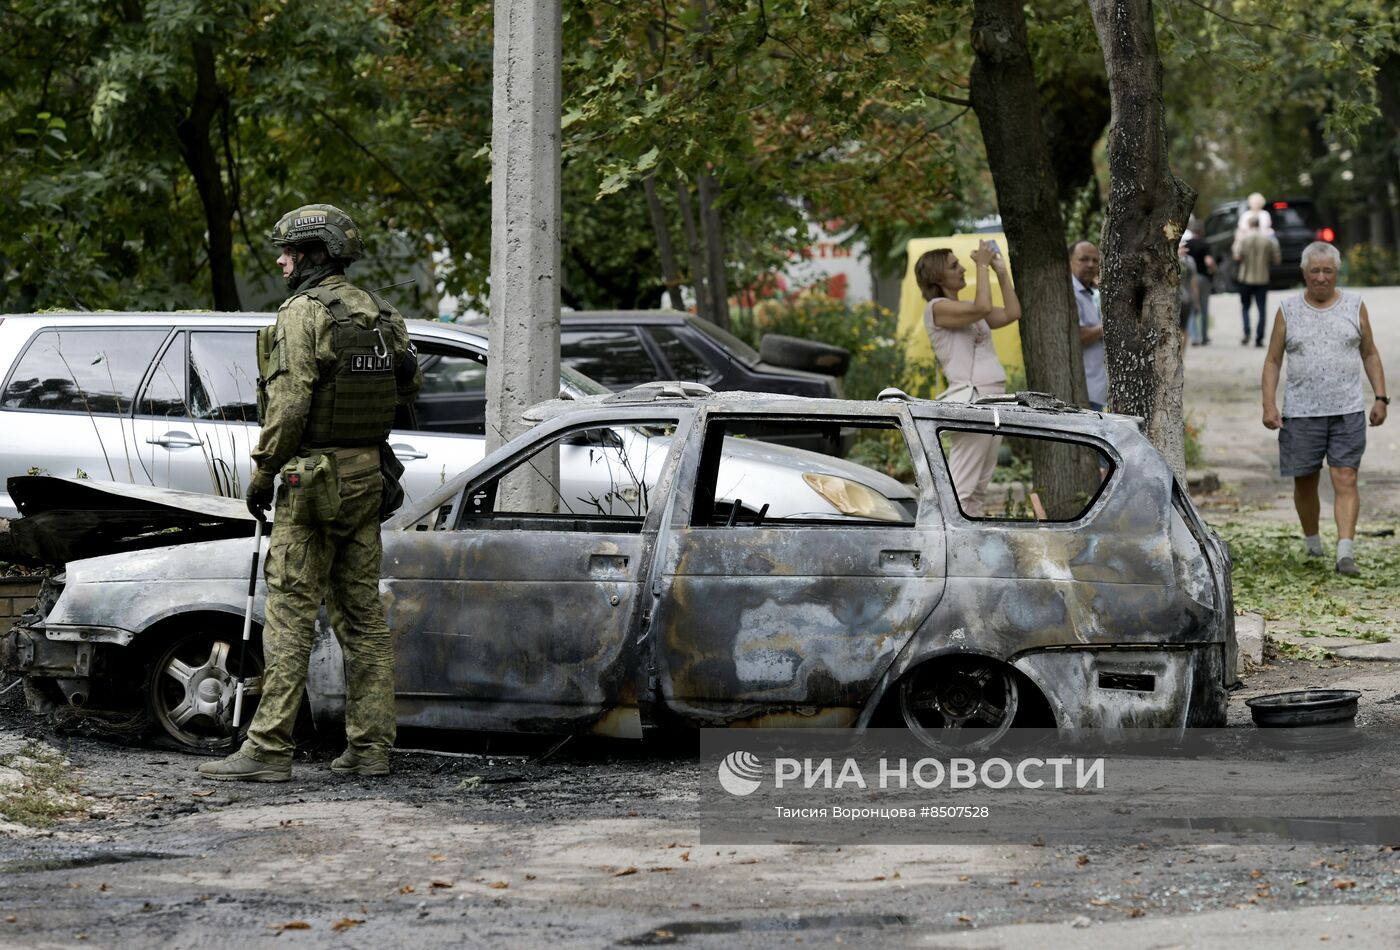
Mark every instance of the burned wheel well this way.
pixel 1033 709
pixel 159 634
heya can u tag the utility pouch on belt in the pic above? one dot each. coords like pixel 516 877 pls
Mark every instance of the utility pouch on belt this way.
pixel 391 470
pixel 312 485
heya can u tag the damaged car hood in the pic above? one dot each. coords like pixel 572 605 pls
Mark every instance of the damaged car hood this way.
pixel 63 519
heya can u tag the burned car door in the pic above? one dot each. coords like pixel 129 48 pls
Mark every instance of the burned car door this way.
pixel 515 612
pixel 1090 583
pixel 792 620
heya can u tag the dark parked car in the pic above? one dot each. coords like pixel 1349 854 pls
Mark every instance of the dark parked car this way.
pixel 626 348
pixel 1296 224
pixel 1103 605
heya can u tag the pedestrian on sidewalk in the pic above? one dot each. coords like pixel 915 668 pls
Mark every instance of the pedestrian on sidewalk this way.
pixel 1204 280
pixel 1254 253
pixel 1326 333
pixel 1188 292
pixel 1084 278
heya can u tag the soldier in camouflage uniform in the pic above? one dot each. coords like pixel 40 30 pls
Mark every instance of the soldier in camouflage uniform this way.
pixel 334 368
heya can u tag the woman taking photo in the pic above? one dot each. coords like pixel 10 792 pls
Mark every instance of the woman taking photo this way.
pixel 961 331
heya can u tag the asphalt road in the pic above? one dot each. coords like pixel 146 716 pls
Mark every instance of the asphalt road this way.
pixel 600 845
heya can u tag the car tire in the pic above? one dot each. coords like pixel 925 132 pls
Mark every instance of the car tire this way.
pixel 189 689
pixel 943 700
pixel 797 353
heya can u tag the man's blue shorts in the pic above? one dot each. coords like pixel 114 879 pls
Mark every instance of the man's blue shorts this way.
pixel 1304 440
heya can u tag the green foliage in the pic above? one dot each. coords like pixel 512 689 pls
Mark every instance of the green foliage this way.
pixel 1275 578
pixel 1084 216
pixel 879 354
pixel 793 106
pixel 1371 266
pixel 1192 442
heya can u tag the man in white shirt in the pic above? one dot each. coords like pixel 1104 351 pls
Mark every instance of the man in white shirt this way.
pixel 1084 277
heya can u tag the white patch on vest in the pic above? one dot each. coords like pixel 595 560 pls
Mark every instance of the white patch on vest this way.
pixel 368 363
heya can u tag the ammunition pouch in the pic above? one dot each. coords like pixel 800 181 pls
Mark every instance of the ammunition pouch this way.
pixel 310 489
pixel 391 471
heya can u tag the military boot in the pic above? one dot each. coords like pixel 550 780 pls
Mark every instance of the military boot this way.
pixel 241 768
pixel 352 763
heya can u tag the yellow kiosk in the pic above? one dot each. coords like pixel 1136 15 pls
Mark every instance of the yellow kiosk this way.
pixel 911 302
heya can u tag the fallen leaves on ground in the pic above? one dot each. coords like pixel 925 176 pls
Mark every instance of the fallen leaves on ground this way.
pixel 1344 885
pixel 499 885
pixel 439 884
pixel 1082 860
pixel 290 925
pixel 625 872
pixel 345 923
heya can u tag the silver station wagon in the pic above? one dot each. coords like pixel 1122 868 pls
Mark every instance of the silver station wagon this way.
pixel 1099 604
pixel 169 400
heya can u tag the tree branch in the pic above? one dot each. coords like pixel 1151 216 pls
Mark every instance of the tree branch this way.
pixel 422 202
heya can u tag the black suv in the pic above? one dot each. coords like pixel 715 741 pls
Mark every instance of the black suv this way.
pixel 1296 225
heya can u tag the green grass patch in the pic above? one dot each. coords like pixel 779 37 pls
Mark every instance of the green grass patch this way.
pixel 1275 578
pixel 47 793
pixel 1293 651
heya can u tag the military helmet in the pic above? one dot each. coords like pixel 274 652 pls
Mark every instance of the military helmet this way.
pixel 325 223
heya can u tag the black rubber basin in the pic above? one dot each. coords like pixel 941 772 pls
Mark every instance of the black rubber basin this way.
pixel 1305 707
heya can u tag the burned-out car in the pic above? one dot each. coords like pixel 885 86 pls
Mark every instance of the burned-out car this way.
pixel 1097 598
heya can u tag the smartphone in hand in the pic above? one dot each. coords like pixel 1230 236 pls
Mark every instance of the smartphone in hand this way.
pixel 996 248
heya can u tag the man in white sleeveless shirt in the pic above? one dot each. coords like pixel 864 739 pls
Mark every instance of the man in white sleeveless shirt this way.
pixel 1326 333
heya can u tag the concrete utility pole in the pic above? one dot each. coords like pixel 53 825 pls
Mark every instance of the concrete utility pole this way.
pixel 525 227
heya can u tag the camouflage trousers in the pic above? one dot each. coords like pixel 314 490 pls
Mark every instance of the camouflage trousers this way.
pixel 339 561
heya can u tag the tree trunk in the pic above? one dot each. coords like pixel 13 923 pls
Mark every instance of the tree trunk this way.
pixel 669 273
pixel 200 158
pixel 692 248
pixel 1007 105
pixel 714 249
pixel 1147 211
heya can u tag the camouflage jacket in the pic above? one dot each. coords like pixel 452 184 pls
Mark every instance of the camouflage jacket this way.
pixel 305 353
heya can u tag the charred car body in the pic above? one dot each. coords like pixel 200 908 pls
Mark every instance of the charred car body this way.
pixel 1101 603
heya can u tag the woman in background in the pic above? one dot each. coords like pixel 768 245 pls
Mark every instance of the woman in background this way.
pixel 961 331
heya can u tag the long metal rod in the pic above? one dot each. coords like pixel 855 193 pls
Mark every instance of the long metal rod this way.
pixel 247 626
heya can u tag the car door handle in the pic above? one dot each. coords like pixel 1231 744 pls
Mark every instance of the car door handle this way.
pixel 899 561
pixel 607 565
pixel 175 440
pixel 407 452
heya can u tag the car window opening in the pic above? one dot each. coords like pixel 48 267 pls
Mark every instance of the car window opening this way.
pixel 606 481
pixel 875 486
pixel 1014 492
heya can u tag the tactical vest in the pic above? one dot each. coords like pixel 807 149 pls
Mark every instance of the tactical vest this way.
pixel 354 403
